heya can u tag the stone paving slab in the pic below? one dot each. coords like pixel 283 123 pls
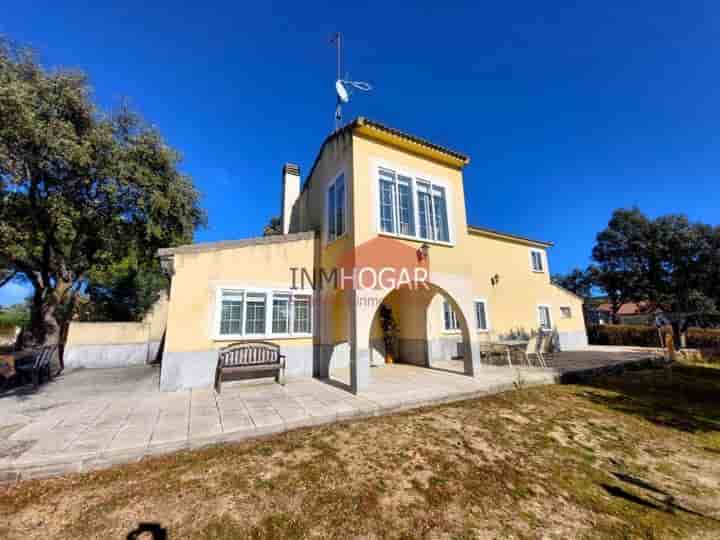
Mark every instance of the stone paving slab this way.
pixel 92 419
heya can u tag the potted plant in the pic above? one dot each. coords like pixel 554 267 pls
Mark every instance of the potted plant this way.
pixel 390 331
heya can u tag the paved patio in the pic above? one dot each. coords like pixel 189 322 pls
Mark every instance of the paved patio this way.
pixel 89 419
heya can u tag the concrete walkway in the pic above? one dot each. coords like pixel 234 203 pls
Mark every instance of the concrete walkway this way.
pixel 89 419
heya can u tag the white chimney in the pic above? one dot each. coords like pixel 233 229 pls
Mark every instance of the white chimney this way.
pixel 290 193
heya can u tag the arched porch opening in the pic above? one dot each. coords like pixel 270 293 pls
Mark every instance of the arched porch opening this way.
pixel 421 338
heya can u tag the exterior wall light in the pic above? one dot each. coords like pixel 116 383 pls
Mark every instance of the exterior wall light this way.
pixel 494 280
pixel 423 251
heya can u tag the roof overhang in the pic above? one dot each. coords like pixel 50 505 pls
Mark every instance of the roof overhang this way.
pixel 491 233
pixel 204 247
pixel 410 143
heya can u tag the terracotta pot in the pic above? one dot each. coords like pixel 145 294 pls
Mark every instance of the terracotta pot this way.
pixel 389 359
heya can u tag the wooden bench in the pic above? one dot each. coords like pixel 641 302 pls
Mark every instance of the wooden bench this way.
pixel 38 365
pixel 250 357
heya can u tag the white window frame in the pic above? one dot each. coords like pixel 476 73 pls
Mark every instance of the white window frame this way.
pixel 487 315
pixel 454 316
pixel 375 165
pixel 550 317
pixel 332 185
pixel 543 261
pixel 569 308
pixel 269 296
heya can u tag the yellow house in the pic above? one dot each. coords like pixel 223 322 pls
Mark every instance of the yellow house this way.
pixel 380 220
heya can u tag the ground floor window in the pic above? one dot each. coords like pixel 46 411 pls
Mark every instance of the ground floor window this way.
pixel 281 314
pixel 232 313
pixel 450 320
pixel 544 317
pixel 302 314
pixel 481 314
pixel 255 313
pixel 243 313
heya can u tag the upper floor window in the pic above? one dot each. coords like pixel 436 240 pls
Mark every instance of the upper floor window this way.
pixel 565 312
pixel 481 314
pixel 399 198
pixel 263 313
pixel 450 320
pixel 336 208
pixel 536 260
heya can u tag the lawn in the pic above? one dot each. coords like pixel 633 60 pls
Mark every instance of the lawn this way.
pixel 632 456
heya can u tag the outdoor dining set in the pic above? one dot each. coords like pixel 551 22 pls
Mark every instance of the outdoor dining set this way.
pixel 531 351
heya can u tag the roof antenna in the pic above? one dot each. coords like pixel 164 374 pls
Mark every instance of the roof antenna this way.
pixel 342 84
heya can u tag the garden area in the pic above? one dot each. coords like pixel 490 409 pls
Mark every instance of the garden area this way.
pixel 704 340
pixel 631 456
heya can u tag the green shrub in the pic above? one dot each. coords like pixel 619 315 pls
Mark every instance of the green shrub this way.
pixel 647 336
pixel 621 334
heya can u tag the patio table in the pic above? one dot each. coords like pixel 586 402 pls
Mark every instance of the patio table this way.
pixel 511 344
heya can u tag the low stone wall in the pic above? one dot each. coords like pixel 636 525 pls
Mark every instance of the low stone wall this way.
pixel 572 341
pixel 109 345
pixel 116 344
pixel 578 376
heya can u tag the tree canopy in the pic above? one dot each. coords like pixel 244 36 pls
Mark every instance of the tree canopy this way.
pixel 576 281
pixel 668 261
pixel 273 227
pixel 85 195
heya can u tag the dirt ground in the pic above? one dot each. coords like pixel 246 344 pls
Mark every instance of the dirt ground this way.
pixel 632 456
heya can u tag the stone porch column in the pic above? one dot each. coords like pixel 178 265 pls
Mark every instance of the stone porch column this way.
pixel 361 305
pixel 359 340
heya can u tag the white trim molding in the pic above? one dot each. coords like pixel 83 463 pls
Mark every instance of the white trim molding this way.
pixel 270 294
pixel 326 207
pixel 542 259
pixel 488 326
pixel 453 319
pixel 549 314
pixel 413 179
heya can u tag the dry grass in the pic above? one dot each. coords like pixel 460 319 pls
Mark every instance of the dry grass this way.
pixel 626 457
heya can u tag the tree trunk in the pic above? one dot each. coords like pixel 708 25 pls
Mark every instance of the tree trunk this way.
pixel 51 311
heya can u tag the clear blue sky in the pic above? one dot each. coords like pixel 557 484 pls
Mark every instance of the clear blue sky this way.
pixel 568 110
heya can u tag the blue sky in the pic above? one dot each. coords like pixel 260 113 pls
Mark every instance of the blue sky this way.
pixel 568 110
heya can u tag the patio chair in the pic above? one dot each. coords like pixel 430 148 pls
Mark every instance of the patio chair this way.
pixel 546 346
pixel 501 350
pixel 485 350
pixel 534 348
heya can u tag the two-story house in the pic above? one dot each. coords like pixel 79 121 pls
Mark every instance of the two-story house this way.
pixel 375 203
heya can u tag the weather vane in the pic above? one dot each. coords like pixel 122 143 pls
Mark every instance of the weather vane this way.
pixel 343 84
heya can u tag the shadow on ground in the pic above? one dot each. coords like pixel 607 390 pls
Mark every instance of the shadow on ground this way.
pixel 682 396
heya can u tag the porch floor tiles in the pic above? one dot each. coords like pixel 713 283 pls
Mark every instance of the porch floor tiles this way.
pixel 89 419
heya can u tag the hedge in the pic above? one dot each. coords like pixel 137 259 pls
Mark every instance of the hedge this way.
pixel 647 336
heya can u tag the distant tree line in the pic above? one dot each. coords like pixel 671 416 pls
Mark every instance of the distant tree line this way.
pixel 668 261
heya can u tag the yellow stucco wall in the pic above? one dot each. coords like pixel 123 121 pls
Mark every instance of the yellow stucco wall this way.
pixel 107 333
pixel 367 156
pixel 512 303
pixel 121 333
pixel 199 275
